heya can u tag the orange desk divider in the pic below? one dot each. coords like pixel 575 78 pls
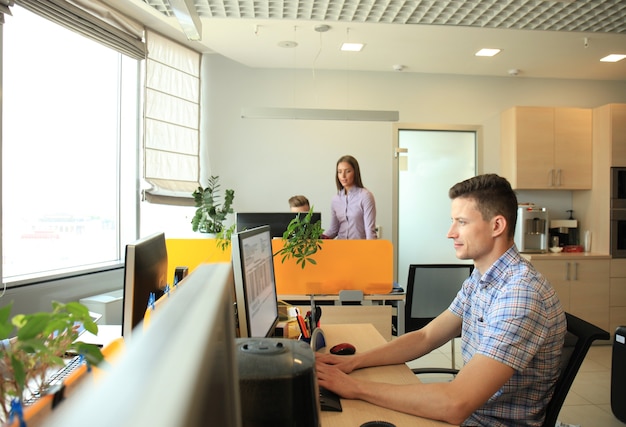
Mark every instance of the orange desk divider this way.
pixel 365 265
pixel 191 253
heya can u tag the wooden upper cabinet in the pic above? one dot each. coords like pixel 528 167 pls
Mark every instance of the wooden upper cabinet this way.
pixel 617 134
pixel 547 148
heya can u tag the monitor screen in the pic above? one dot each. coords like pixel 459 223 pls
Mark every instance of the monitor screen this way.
pixel 255 285
pixel 277 221
pixel 179 371
pixel 145 272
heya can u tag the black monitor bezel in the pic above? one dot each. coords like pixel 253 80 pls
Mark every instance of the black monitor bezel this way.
pixel 277 221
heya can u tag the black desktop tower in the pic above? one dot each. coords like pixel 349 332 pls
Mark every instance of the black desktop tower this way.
pixel 618 374
pixel 277 383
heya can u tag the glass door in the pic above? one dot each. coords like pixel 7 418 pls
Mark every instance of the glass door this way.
pixel 430 162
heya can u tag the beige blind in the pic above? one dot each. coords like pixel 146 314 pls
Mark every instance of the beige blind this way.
pixel 92 19
pixel 172 116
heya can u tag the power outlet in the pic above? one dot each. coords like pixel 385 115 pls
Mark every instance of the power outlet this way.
pixel 379 232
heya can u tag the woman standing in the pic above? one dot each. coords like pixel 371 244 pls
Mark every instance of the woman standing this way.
pixel 353 209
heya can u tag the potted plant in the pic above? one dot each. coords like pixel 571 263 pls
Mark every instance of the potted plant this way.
pixel 302 239
pixel 40 343
pixel 211 214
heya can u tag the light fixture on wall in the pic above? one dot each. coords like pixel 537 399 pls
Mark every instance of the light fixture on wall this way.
pixel 188 18
pixel 319 114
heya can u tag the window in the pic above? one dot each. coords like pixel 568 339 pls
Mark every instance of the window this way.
pixel 69 149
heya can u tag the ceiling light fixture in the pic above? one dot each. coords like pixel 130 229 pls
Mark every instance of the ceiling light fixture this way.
pixel 188 18
pixel 352 47
pixel 614 57
pixel 487 52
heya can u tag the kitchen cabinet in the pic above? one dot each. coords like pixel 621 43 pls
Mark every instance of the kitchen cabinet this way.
pixel 617 294
pixel 546 148
pixel 593 208
pixel 581 284
pixel 616 133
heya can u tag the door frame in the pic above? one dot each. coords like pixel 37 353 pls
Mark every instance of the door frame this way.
pixel 396 128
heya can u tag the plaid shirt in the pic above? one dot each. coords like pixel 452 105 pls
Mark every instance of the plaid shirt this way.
pixel 513 315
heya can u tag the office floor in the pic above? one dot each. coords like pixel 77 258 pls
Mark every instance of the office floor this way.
pixel 588 403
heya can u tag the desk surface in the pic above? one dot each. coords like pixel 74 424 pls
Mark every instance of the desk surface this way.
pixel 357 412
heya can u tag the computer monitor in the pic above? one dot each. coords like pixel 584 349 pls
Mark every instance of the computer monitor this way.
pixel 145 273
pixel 180 371
pixel 255 284
pixel 278 221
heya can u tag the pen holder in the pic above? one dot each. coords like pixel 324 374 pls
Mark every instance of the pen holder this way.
pixel 317 340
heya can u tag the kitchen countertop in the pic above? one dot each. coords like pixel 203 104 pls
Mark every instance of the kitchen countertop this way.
pixel 565 256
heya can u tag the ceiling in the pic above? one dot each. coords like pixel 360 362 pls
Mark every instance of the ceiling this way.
pixel 540 39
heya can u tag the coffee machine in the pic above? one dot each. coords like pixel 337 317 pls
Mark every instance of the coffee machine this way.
pixel 565 230
pixel 531 230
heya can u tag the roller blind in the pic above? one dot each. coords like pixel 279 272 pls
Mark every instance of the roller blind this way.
pixel 172 116
pixel 92 19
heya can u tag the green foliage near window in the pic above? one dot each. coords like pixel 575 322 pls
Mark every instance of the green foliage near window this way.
pixel 302 239
pixel 211 214
pixel 41 341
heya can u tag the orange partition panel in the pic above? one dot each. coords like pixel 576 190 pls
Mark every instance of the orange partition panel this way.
pixel 365 265
pixel 191 253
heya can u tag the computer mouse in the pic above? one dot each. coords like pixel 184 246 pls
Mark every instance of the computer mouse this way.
pixel 343 349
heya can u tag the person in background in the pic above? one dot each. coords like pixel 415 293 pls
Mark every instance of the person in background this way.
pixel 353 209
pixel 299 203
pixel 510 319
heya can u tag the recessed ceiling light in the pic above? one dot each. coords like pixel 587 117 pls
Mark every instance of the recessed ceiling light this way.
pixel 614 57
pixel 487 52
pixel 352 47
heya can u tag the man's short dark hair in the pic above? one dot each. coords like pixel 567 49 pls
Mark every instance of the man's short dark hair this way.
pixel 493 196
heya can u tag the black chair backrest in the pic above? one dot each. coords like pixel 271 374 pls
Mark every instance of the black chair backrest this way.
pixel 580 335
pixel 430 290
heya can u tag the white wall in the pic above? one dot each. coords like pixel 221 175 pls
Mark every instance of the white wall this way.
pixel 266 161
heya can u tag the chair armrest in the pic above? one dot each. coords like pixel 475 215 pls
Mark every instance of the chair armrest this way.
pixel 450 371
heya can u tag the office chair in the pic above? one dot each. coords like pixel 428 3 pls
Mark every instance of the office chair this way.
pixel 430 290
pixel 579 337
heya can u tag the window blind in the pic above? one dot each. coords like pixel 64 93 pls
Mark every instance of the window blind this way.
pixel 92 19
pixel 171 119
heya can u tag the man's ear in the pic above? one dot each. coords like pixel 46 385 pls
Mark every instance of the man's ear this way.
pixel 498 224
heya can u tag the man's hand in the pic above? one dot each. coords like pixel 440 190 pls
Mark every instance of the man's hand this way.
pixel 334 379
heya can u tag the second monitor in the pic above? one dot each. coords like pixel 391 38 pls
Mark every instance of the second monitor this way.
pixel 278 221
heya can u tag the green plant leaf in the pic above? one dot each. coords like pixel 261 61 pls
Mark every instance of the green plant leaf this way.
pixel 6 327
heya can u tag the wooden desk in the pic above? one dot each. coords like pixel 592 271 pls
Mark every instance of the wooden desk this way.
pixel 357 412
pixel 375 299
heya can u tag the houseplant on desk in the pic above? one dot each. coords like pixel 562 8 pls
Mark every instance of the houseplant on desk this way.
pixel 41 341
pixel 211 213
pixel 302 239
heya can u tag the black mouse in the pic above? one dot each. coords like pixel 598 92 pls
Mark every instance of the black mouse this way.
pixel 343 349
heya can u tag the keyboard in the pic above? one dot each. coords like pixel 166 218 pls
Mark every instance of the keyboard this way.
pixel 56 377
pixel 329 401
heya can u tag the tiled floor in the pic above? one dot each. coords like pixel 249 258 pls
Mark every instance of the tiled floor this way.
pixel 588 403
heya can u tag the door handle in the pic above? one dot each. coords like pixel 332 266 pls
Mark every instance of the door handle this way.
pixel 567 271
